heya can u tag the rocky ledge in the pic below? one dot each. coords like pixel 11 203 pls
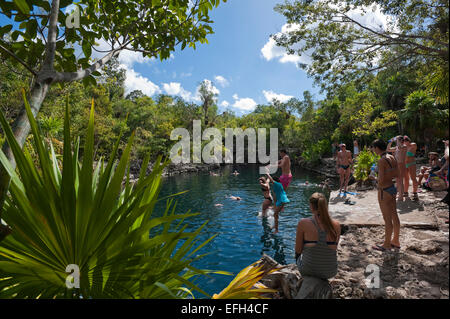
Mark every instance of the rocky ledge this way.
pixel 419 270
pixel 174 169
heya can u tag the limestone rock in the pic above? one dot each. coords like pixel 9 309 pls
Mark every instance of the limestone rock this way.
pixel 289 283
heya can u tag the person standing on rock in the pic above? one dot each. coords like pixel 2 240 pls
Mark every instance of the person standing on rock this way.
pixel 317 240
pixel 285 165
pixel 343 166
pixel 410 168
pixel 400 156
pixel 387 170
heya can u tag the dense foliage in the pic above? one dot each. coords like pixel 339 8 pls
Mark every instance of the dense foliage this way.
pixel 68 211
pixel 392 103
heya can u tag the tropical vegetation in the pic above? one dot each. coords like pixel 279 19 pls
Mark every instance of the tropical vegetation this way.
pixel 66 211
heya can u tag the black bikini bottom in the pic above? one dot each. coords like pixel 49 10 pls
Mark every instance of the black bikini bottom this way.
pixel 392 190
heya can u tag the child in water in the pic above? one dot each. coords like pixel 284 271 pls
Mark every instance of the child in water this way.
pixel 280 198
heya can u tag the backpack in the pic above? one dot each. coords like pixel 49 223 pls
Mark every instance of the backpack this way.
pixel 436 183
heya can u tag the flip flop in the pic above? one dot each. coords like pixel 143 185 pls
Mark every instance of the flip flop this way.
pixel 380 248
pixel 351 193
pixel 395 246
pixel 349 202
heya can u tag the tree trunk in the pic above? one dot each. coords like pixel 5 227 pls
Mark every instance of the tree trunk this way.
pixel 21 129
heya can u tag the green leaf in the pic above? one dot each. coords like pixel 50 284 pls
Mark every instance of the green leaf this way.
pixel 22 6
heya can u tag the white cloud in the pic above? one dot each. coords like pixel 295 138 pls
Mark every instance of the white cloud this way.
pixel 135 81
pixel 222 81
pixel 244 104
pixel 129 58
pixel 175 88
pixel 225 104
pixel 210 87
pixel 126 57
pixel 371 17
pixel 271 51
pixel 270 96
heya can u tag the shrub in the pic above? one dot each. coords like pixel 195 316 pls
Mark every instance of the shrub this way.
pixel 89 216
pixel 364 162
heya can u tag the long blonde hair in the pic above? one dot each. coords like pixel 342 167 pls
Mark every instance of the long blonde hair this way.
pixel 319 203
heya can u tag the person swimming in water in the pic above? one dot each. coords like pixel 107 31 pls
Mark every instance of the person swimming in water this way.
pixel 234 197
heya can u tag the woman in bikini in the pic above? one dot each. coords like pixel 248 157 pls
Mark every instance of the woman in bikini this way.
pixel 387 170
pixel 400 154
pixel 410 168
pixel 317 240
pixel 265 188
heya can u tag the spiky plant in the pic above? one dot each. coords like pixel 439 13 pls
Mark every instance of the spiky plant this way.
pixel 246 284
pixel 75 213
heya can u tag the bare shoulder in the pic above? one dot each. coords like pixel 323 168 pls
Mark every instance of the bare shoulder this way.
pixel 336 225
pixel 304 223
pixel 382 162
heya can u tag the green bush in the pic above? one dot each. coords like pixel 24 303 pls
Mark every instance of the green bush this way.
pixel 364 162
pixel 94 218
pixel 315 152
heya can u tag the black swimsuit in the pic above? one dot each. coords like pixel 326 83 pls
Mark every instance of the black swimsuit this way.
pixel 265 190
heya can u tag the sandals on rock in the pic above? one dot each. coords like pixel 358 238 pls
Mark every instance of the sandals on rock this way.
pixel 380 248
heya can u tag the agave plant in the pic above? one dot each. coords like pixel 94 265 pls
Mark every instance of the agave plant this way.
pixel 76 213
pixel 246 284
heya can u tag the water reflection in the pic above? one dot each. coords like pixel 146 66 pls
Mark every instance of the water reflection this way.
pixel 272 243
pixel 242 235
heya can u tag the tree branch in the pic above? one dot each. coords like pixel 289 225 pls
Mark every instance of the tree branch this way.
pixel 52 34
pixel 10 53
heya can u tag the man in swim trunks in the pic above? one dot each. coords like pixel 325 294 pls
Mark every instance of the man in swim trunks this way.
pixel 387 170
pixel 343 166
pixel 285 165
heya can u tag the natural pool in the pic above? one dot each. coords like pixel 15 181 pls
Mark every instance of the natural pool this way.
pixel 243 236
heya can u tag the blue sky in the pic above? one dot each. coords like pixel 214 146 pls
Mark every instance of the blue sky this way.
pixel 241 62
pixel 233 61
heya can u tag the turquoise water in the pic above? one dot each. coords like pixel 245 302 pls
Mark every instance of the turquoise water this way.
pixel 242 234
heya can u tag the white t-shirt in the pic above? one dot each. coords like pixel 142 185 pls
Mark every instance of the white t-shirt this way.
pixel 355 150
